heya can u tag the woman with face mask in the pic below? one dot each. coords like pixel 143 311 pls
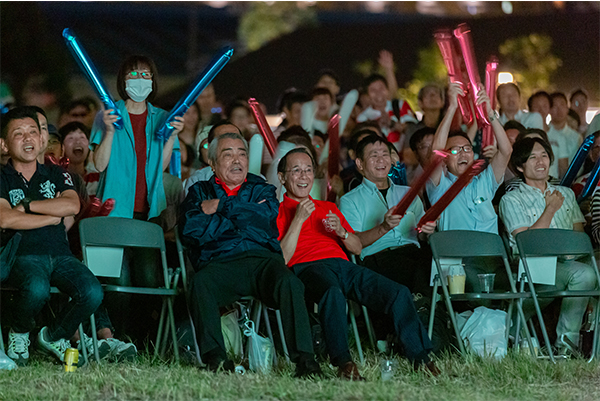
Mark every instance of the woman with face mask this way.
pixel 131 160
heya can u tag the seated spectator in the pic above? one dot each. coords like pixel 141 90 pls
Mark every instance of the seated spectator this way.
pixel 229 226
pixel 565 141
pixel 45 135
pixel 590 161
pixel 420 144
pixel 314 236
pixel 351 177
pixel 573 120
pixel 392 115
pixel 509 102
pixel 54 150
pixel 472 209
pixel 34 199
pixel 390 243
pixel 317 112
pixel 204 174
pixel 238 112
pixel 83 110
pixel 540 102
pixel 539 204
pixel 513 129
pixel 579 103
pixel 290 107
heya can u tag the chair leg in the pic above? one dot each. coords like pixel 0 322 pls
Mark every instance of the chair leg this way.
pixel 433 304
pixel 370 329
pixel 171 318
pixel 83 347
pixel 265 313
pixel 538 311
pixel 95 338
pixel 160 329
pixel 356 336
pixel 1 340
pixel 461 346
pixel 596 332
pixel 282 335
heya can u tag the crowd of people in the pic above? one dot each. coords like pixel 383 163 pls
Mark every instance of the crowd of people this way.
pixel 272 234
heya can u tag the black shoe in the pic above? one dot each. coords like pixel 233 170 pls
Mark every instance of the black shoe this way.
pixel 307 367
pixel 220 365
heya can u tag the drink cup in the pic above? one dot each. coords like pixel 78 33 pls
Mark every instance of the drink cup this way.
pixel 388 369
pixel 456 279
pixel 486 281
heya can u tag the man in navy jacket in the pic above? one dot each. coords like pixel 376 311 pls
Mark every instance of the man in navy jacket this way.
pixel 229 225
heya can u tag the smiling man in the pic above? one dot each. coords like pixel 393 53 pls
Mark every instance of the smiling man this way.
pixel 538 204
pixel 390 242
pixel 34 199
pixel 314 237
pixel 229 225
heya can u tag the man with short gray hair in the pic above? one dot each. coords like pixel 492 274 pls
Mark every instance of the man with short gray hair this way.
pixel 229 225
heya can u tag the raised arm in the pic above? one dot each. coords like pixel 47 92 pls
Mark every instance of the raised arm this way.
pixel 441 134
pixel 103 149
pixel 386 61
pixel 500 160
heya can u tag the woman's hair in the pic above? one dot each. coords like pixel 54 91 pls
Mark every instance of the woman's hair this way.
pixel 130 64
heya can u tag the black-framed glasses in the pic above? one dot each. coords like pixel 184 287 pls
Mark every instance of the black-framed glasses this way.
pixel 297 172
pixel 466 148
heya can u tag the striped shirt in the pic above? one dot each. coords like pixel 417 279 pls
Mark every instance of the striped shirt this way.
pixel 523 206
pixel 596 217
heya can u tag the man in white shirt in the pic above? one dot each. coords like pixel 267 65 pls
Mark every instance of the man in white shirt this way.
pixel 509 101
pixel 561 133
pixel 538 204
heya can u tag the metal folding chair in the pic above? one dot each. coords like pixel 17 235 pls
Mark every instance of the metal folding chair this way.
pixel 460 244
pixel 555 242
pixel 106 234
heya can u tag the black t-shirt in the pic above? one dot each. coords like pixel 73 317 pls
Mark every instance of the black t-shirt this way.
pixel 46 183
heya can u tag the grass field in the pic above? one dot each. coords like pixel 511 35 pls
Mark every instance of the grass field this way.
pixel 517 377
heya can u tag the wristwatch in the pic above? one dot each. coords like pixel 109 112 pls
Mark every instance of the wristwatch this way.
pixel 25 202
pixel 345 236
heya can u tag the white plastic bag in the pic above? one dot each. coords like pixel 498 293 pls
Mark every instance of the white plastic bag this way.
pixel 232 335
pixel 485 332
pixel 260 350
pixel 6 363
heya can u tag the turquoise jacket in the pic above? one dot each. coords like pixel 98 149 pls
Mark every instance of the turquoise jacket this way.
pixel 117 181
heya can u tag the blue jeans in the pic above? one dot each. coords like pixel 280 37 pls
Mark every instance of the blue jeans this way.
pixel 33 275
pixel 329 282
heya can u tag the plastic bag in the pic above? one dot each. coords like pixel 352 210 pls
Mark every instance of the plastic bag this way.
pixel 6 363
pixel 260 350
pixel 232 334
pixel 485 332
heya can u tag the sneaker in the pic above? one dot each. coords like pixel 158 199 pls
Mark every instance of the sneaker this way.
pixel 18 347
pixel 119 350
pixel 103 348
pixel 55 348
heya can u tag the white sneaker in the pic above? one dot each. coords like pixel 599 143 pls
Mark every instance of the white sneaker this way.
pixel 55 348
pixel 18 347
pixel 120 351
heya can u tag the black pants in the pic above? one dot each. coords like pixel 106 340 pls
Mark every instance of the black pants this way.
pixel 329 282
pixel 408 265
pixel 262 275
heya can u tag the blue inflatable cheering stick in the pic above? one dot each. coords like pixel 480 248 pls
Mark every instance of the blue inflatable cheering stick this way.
pixel 591 182
pixel 202 81
pixel 92 74
pixel 577 162
pixel 398 174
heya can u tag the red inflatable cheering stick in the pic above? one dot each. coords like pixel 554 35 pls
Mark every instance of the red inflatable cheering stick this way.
pixel 491 78
pixel 263 126
pixel 419 184
pixel 333 161
pixel 436 210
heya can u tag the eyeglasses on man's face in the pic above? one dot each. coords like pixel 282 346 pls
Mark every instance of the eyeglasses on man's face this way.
pixel 456 149
pixel 297 172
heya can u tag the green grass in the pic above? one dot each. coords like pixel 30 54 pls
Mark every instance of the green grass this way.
pixel 517 377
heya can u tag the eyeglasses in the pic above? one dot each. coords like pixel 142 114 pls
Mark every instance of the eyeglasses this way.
pixel 455 149
pixel 297 172
pixel 139 74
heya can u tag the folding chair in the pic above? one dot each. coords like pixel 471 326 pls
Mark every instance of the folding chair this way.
pixel 555 242
pixel 258 310
pixel 462 243
pixel 104 237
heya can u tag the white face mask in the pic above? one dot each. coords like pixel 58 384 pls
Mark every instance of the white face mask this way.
pixel 138 89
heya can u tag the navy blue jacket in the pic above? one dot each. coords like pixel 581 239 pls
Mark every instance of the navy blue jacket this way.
pixel 241 224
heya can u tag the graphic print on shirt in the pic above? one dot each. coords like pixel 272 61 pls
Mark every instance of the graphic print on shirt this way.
pixel 68 179
pixel 16 196
pixel 48 190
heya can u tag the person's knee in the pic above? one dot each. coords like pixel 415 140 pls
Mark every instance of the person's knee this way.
pixel 94 295
pixel 333 297
pixel 293 283
pixel 36 291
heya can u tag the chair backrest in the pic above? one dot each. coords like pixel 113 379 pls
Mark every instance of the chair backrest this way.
pixel 553 242
pixel 463 243
pixel 102 238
